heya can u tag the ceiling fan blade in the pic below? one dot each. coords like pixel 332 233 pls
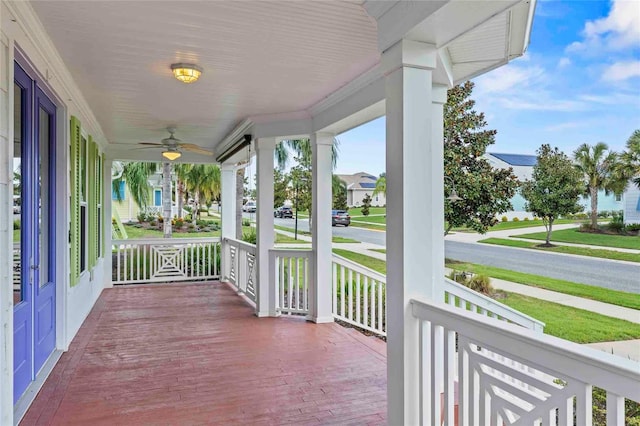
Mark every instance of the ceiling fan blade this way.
pixel 147 147
pixel 195 148
pixel 150 143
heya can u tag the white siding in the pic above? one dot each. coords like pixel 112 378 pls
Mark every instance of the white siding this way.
pixel 355 197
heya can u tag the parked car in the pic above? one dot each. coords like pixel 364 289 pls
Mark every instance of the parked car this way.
pixel 340 217
pixel 249 207
pixel 283 212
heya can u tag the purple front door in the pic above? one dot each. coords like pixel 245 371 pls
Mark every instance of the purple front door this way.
pixel 34 217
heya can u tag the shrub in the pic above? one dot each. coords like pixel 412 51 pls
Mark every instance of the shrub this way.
pixel 246 222
pixel 617 221
pixel 526 219
pixel 153 223
pixel 160 219
pixel 515 219
pixel 505 219
pixel 481 284
pixel 632 227
pixel 16 224
pixel 177 222
pixel 191 227
pixel 250 236
pixel 142 217
pixel 459 276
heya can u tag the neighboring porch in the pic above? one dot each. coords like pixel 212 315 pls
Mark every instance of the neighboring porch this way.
pixel 196 353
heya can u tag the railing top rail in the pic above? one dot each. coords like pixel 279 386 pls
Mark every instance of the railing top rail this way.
pixel 166 241
pixel 494 306
pixel 359 268
pixel 302 252
pixel 240 244
pixel 615 374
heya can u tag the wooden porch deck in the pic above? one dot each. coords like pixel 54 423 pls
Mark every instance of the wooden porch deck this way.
pixel 195 354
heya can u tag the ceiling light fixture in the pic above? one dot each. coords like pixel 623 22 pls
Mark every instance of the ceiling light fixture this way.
pixel 186 73
pixel 171 154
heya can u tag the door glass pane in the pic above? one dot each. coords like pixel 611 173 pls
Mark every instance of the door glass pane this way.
pixel 17 284
pixel 42 191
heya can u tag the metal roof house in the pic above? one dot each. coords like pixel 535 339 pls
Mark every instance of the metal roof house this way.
pixel 522 165
pixel 84 83
pixel 358 186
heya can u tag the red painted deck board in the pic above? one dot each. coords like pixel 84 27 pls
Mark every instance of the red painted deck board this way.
pixel 196 354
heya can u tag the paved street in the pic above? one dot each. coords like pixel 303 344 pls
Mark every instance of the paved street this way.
pixel 598 272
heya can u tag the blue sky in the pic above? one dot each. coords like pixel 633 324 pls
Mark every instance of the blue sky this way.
pixel 578 82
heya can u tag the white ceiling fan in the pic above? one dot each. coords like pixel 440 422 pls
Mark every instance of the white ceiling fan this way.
pixel 173 146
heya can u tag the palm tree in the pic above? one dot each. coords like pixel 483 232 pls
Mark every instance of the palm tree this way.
pixel 597 164
pixel 204 181
pixel 629 164
pixel 136 175
pixel 182 171
pixel 381 185
pixel 303 151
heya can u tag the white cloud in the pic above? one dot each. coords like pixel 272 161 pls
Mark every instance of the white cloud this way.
pixel 508 77
pixel 564 62
pixel 621 71
pixel 619 30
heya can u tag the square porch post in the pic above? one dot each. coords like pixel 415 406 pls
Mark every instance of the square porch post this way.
pixel 265 148
pixel 415 218
pixel 321 233
pixel 228 213
pixel 107 224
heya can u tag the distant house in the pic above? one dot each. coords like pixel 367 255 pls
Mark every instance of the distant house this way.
pixel 631 202
pixel 522 165
pixel 127 209
pixel 358 186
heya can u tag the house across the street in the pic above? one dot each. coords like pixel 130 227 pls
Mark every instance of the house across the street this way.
pixel 631 202
pixel 522 165
pixel 358 186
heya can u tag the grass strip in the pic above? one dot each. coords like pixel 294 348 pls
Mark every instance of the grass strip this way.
pixel 576 325
pixel 581 251
pixel 368 225
pixel 379 250
pixel 613 297
pixel 345 240
pixel 368 261
pixel 577 237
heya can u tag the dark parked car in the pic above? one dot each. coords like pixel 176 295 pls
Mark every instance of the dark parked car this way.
pixel 283 212
pixel 340 217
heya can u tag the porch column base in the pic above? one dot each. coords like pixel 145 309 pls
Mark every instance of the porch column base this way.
pixel 320 320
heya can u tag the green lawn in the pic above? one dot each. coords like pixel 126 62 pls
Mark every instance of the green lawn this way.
pixel 284 239
pixel 562 321
pixel 379 250
pixel 134 232
pixel 620 298
pixel 367 225
pixel 357 211
pixel 573 324
pixel 368 261
pixel 308 234
pixel 345 240
pixel 371 219
pixel 574 236
pixel 601 253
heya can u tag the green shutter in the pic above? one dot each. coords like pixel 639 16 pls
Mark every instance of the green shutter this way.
pixel 105 219
pixel 92 206
pixel 74 225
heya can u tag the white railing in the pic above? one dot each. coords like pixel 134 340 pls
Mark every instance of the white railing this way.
pixel 505 374
pixel 359 296
pixel 240 267
pixel 291 271
pixel 155 260
pixel 460 296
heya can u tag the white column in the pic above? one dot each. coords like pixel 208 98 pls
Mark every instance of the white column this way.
pixel 107 224
pixel 264 221
pixel 228 212
pixel 228 198
pixel 320 285
pixel 415 205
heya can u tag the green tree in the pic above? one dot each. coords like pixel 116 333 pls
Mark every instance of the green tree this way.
pixel 136 177
pixel 182 171
pixel 204 181
pixel 486 191
pixel 554 188
pixel 280 187
pixel 339 191
pixel 366 204
pixel 628 167
pixel 301 181
pixel 381 185
pixel 597 165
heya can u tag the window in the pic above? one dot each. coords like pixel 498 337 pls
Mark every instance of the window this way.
pixel 123 192
pixel 618 197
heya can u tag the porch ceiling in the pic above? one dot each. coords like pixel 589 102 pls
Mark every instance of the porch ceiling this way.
pixel 258 58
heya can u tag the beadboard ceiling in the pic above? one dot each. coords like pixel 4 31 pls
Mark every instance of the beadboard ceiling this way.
pixel 258 57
